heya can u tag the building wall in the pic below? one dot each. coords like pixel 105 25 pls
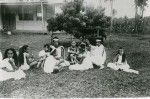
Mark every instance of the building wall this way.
pixel 35 24
pixel 31 25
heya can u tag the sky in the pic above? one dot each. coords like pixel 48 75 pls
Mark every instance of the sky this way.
pixel 123 7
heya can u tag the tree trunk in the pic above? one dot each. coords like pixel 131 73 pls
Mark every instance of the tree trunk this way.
pixel 111 25
pixel 136 17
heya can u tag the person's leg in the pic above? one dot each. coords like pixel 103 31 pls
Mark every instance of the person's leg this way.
pixel 131 71
pixel 34 63
pixel 72 58
pixel 113 66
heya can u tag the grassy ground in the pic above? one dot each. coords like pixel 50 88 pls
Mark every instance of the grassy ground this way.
pixel 91 83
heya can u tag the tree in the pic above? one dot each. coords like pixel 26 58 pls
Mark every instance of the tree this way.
pixel 113 12
pixel 139 12
pixel 77 20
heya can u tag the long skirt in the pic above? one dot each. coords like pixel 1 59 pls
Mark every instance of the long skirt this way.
pixel 51 63
pixel 124 67
pixel 85 65
pixel 18 74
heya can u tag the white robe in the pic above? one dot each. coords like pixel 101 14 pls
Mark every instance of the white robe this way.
pixel 98 55
pixel 4 75
pixel 51 62
pixel 85 65
pixel 25 66
pixel 123 66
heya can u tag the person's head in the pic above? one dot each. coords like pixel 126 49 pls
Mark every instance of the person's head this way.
pixel 98 42
pixel 121 51
pixel 55 41
pixel 22 50
pixel 46 47
pixel 73 43
pixel 25 48
pixel 11 53
pixel 82 47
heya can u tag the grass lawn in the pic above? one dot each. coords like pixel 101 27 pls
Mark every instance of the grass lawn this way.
pixel 91 83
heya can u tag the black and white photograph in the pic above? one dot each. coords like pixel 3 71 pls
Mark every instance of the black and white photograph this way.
pixel 74 49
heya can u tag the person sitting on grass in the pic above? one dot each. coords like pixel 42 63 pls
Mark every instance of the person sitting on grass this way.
pixel 55 61
pixel 83 59
pixel 59 52
pixel 43 54
pixel 8 66
pixel 120 63
pixel 72 53
pixel 26 60
pixel 98 54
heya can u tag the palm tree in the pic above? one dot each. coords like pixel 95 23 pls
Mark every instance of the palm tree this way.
pixel 139 12
pixel 112 14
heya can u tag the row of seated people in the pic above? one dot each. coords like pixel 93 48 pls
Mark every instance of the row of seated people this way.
pixel 52 59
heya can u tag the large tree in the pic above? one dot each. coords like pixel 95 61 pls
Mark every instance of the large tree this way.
pixel 79 20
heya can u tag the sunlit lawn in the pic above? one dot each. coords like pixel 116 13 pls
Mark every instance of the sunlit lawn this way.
pixel 91 83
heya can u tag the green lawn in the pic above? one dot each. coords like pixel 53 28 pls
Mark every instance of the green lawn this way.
pixel 91 83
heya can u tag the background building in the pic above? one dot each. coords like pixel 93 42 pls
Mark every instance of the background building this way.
pixel 28 15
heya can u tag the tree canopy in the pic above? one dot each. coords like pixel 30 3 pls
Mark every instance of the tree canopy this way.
pixel 79 20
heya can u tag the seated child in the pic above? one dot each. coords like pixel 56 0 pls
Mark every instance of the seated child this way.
pixel 120 63
pixel 72 53
pixel 26 60
pixel 43 54
pixel 8 66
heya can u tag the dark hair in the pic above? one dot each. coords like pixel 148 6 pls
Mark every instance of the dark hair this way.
pixel 47 45
pixel 82 47
pixel 22 50
pixel 123 56
pixel 15 57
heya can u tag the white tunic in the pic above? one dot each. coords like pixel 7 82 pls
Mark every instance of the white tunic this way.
pixel 121 65
pixel 98 55
pixel 4 75
pixel 85 65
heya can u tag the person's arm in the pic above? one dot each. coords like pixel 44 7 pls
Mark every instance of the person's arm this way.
pixel 11 61
pixel 70 52
pixel 115 59
pixel 81 60
pixel 7 70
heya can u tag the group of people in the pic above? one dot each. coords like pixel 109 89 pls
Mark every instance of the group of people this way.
pixel 52 59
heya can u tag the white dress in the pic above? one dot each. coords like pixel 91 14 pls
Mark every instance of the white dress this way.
pixel 60 51
pixel 25 66
pixel 98 55
pixel 51 62
pixel 85 65
pixel 123 66
pixel 4 75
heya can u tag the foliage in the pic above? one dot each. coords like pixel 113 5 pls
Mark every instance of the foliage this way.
pixel 77 20
pixel 127 25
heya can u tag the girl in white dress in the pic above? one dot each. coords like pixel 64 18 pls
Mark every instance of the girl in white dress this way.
pixel 8 66
pixel 84 59
pixel 56 60
pixel 25 59
pixel 43 54
pixel 98 54
pixel 120 63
